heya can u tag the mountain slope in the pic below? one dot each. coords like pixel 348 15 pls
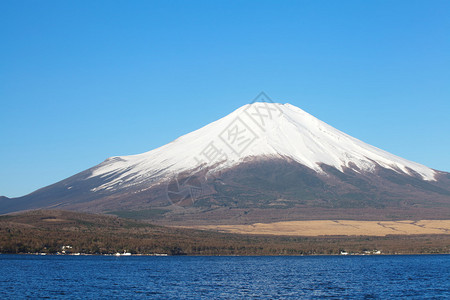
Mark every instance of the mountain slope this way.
pixel 262 159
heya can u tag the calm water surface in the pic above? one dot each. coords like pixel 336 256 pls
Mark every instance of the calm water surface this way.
pixel 363 277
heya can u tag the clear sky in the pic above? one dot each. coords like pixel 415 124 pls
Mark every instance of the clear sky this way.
pixel 81 81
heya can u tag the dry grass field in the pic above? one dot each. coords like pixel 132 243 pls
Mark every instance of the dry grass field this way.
pixel 337 227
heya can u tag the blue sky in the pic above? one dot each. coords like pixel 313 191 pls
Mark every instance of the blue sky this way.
pixel 83 81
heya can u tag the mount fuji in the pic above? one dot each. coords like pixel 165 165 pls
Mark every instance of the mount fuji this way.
pixel 264 161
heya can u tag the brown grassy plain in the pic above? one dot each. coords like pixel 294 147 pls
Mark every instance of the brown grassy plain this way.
pixel 337 227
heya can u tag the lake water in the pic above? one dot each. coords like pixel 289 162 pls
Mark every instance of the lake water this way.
pixel 369 277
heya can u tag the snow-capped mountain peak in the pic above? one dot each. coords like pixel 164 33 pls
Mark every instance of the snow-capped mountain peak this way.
pixel 263 161
pixel 256 130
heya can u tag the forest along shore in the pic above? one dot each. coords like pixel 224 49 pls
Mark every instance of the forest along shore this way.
pixel 52 231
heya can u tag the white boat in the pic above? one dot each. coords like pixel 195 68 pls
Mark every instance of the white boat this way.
pixel 125 253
